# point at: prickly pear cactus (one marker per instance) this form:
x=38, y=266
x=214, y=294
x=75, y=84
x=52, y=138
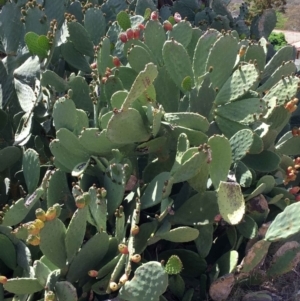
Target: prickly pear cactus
x=128, y=138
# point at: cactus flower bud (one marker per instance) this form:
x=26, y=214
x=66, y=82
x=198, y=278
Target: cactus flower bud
x=93, y=273
x=123, y=249
x=3, y=279
x=33, y=240
x=123, y=37
x=51, y=214
x=103, y=192
x=57, y=207
x=93, y=66
x=116, y=62
x=154, y=15
x=167, y=25
x=129, y=33
x=135, y=230
x=177, y=17
x=50, y=296
x=136, y=258
x=80, y=202
x=113, y=286
x=40, y=214
x=123, y=279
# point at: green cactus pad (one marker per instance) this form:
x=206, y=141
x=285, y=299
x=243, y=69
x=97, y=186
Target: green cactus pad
x=285, y=224
x=52, y=79
x=23, y=286
x=227, y=45
x=283, y=54
x=155, y=38
x=238, y=84
x=149, y=282
x=190, y=165
x=64, y=114
x=248, y=227
x=89, y=256
x=287, y=259
x=96, y=142
x=241, y=143
x=123, y=20
x=53, y=242
x=167, y=92
x=227, y=262
x=221, y=159
x=229, y=127
x=176, y=286
x=204, y=241
x=231, y=202
x=285, y=89
x=149, y=199
x=103, y=56
x=189, y=120
x=11, y=35
x=18, y=211
x=243, y=174
x=142, y=82
x=182, y=33
x=80, y=38
x=31, y=169
x=282, y=71
x=8, y=253
x=75, y=232
x=180, y=234
x=206, y=210
x=266, y=161
x=127, y=127
x=95, y=24
x=97, y=209
x=41, y=272
x=290, y=147
x=256, y=53
x=65, y=291
x=202, y=50
x=175, y=52
x=174, y=265
x=73, y=57
x=36, y=44
x=193, y=264
x=9, y=156
x=81, y=97
x=138, y=57
x=255, y=256
x=244, y=111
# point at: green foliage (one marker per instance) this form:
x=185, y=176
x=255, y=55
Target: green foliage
x=134, y=155
x=277, y=39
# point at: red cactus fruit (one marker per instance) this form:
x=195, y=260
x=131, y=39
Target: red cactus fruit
x=129, y=33
x=167, y=25
x=154, y=15
x=116, y=62
x=123, y=37
x=123, y=249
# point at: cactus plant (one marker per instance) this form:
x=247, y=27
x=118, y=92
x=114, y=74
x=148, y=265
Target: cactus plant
x=124, y=133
